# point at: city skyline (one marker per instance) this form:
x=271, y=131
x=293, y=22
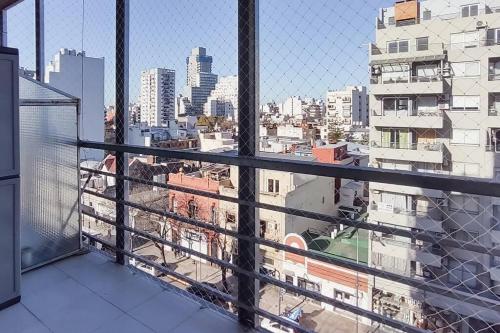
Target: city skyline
x=336, y=63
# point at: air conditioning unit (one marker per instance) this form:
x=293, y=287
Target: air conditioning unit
x=481, y=25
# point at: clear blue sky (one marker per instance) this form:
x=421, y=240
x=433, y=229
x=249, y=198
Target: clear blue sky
x=306, y=46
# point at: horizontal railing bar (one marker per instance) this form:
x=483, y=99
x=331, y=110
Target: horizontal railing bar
x=47, y=102
x=423, y=285
x=418, y=235
x=468, y=185
x=310, y=294
x=199, y=285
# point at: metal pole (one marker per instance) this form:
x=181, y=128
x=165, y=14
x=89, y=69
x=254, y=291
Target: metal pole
x=248, y=287
x=3, y=27
x=39, y=40
x=121, y=119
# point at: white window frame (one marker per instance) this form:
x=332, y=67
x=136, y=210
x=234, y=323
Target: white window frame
x=421, y=38
x=398, y=42
x=469, y=6
x=465, y=135
x=464, y=203
x=466, y=169
x=466, y=103
x=460, y=69
x=463, y=41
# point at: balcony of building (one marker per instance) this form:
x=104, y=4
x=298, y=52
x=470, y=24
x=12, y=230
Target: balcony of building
x=429, y=117
x=430, y=221
x=106, y=246
x=406, y=52
x=425, y=254
x=407, y=85
x=431, y=152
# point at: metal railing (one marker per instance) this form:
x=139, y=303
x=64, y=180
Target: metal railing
x=411, y=146
x=437, y=48
x=319, y=169
x=412, y=79
x=407, y=113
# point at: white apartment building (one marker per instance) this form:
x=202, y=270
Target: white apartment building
x=434, y=100
x=223, y=100
x=346, y=109
x=157, y=102
x=291, y=107
x=83, y=77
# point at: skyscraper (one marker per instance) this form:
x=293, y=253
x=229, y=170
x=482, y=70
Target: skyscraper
x=157, y=96
x=82, y=77
x=435, y=107
x=200, y=80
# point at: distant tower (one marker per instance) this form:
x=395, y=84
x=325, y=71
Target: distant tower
x=157, y=96
x=200, y=80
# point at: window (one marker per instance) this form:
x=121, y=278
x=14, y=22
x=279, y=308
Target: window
x=466, y=69
x=465, y=39
x=397, y=46
x=427, y=103
x=422, y=43
x=230, y=218
x=273, y=186
x=493, y=36
x=396, y=105
x=465, y=103
x=427, y=15
x=466, y=169
x=396, y=138
x=395, y=73
x=192, y=209
x=465, y=203
x=463, y=235
x=428, y=70
x=465, y=136
x=470, y=10
x=174, y=204
x=462, y=273
x=263, y=229
x=213, y=214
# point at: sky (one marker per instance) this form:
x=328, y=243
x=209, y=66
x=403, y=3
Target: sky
x=306, y=47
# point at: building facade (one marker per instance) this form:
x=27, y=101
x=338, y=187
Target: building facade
x=200, y=80
x=157, y=104
x=434, y=107
x=223, y=100
x=83, y=77
x=346, y=109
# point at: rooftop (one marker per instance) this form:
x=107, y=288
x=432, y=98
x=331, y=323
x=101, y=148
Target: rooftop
x=91, y=293
x=351, y=244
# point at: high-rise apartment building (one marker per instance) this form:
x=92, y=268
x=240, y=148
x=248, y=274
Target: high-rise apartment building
x=223, y=100
x=200, y=80
x=83, y=77
x=347, y=109
x=434, y=101
x=157, y=103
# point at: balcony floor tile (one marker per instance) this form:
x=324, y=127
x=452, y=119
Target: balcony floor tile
x=91, y=294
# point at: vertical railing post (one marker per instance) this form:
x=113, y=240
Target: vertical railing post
x=3, y=27
x=247, y=146
x=39, y=40
x=121, y=120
